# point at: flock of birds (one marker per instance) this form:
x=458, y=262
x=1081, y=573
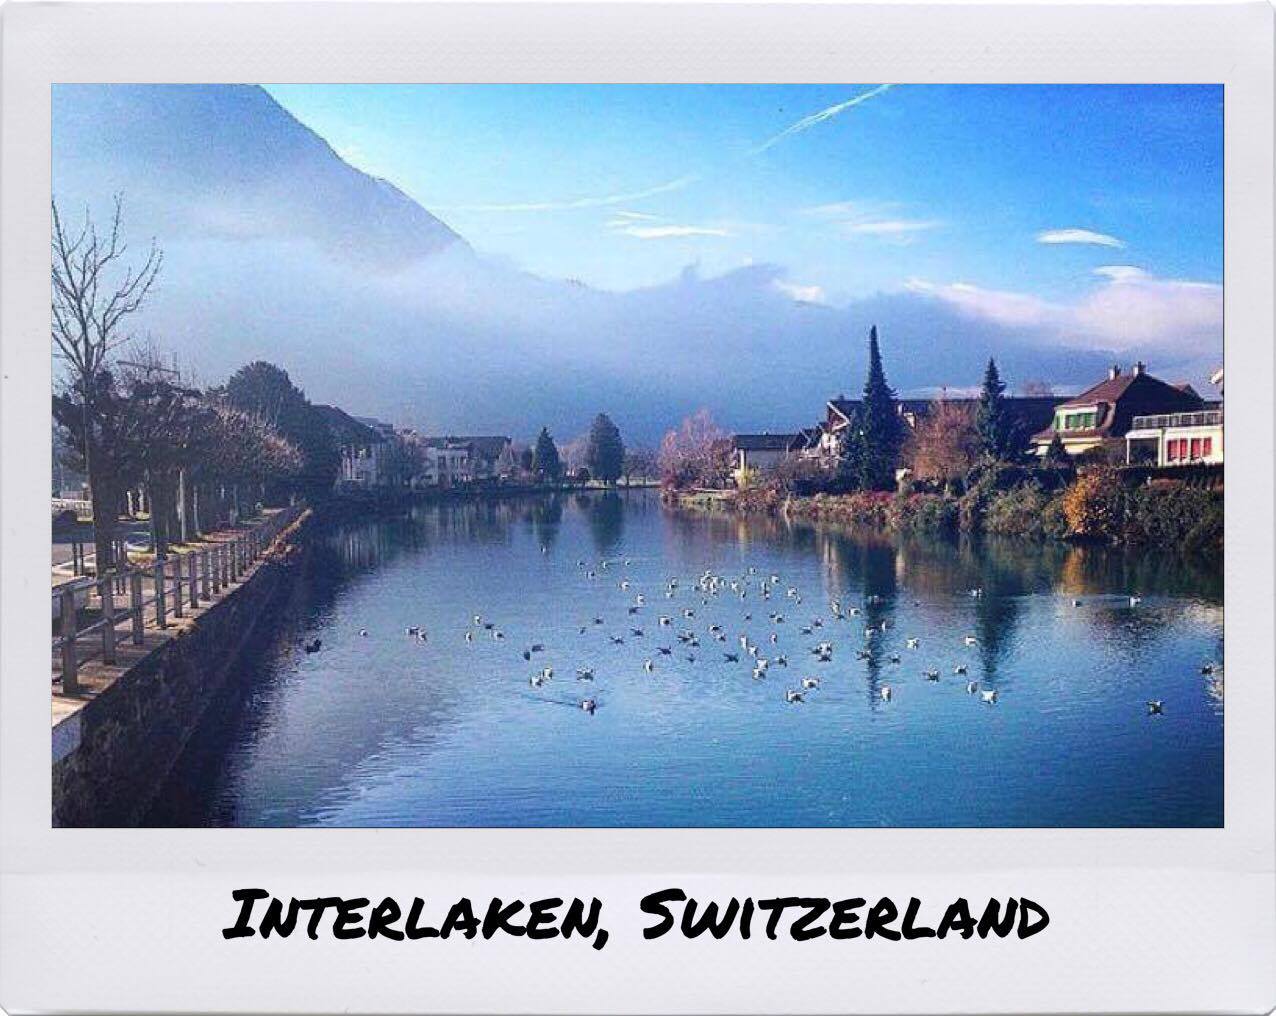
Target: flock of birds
x=696, y=640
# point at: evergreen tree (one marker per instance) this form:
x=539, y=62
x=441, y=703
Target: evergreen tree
x=267, y=392
x=605, y=454
x=545, y=461
x=1000, y=436
x=871, y=454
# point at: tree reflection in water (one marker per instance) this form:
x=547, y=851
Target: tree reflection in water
x=385, y=730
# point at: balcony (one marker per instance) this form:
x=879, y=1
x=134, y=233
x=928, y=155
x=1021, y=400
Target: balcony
x=1166, y=421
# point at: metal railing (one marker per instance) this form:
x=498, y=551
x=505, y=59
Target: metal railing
x=1163, y=421
x=127, y=601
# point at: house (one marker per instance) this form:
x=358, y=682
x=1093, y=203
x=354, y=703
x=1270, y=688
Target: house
x=807, y=443
x=491, y=456
x=362, y=465
x=1032, y=412
x=363, y=444
x=468, y=458
x=1101, y=417
x=759, y=453
x=1178, y=439
x=386, y=430
x=444, y=463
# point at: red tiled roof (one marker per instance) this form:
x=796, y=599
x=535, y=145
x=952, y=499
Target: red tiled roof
x=1108, y=390
x=1118, y=399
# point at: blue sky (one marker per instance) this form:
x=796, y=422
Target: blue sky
x=921, y=187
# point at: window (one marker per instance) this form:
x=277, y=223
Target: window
x=1207, y=447
x=1076, y=421
x=1196, y=448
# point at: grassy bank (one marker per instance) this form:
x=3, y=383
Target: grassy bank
x=1101, y=506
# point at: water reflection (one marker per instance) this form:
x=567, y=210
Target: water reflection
x=387, y=730
x=606, y=514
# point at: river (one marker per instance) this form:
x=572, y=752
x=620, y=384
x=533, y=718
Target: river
x=387, y=729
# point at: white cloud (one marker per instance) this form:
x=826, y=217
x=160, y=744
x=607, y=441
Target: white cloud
x=1084, y=236
x=653, y=227
x=892, y=227
x=1130, y=309
x=871, y=218
x=663, y=232
x=836, y=210
x=575, y=203
x=1132, y=312
x=1121, y=273
x=807, y=122
x=1006, y=308
x=799, y=292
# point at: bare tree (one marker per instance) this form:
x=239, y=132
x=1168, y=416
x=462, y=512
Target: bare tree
x=696, y=454
x=944, y=444
x=639, y=462
x=94, y=293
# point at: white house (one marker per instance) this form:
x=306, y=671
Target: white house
x=445, y=465
x=1178, y=439
x=456, y=458
x=362, y=465
x=759, y=453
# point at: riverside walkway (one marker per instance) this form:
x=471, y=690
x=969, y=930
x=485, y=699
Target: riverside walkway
x=105, y=625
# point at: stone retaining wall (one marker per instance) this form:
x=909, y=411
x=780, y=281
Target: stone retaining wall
x=128, y=738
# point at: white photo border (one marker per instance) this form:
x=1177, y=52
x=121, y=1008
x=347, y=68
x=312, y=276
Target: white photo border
x=1141, y=920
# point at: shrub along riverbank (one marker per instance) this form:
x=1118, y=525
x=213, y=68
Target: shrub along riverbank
x=1099, y=505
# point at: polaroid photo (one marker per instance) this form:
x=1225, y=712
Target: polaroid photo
x=637, y=508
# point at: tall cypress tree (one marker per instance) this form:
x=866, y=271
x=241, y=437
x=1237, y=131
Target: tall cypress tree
x=872, y=452
x=605, y=453
x=1000, y=436
x=546, y=463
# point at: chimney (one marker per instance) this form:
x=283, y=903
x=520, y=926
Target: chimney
x=1139, y=368
x=1114, y=372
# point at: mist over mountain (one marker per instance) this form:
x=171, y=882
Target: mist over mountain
x=277, y=249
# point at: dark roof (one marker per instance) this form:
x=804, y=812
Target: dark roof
x=1033, y=411
x=763, y=442
x=345, y=429
x=1119, y=399
x=848, y=407
x=1108, y=390
x=807, y=437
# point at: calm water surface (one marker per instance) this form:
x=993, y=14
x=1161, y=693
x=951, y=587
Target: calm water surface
x=384, y=730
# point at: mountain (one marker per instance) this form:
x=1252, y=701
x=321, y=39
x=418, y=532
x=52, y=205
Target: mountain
x=276, y=249
x=228, y=162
